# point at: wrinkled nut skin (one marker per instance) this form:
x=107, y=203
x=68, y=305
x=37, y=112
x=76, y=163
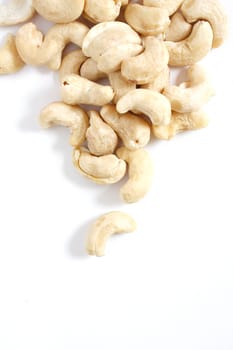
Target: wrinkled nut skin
x=141, y=172
x=17, y=11
x=160, y=82
x=133, y=130
x=10, y=61
x=120, y=85
x=105, y=226
x=170, y=5
x=75, y=118
x=102, y=10
x=106, y=169
x=90, y=71
x=59, y=11
x=101, y=138
x=71, y=63
x=179, y=28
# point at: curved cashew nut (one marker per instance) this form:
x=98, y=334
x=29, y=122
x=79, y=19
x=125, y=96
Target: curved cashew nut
x=90, y=71
x=147, y=20
x=59, y=11
x=193, y=48
x=75, y=118
x=105, y=226
x=133, y=130
x=181, y=122
x=151, y=103
x=170, y=5
x=144, y=68
x=102, y=10
x=101, y=139
x=141, y=171
x=120, y=85
x=160, y=82
x=211, y=11
x=192, y=95
x=78, y=90
x=71, y=63
x=179, y=28
x=36, y=50
x=106, y=169
x=10, y=61
x=17, y=11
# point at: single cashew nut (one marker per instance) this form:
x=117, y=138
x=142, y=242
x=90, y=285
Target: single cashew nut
x=10, y=61
x=211, y=11
x=151, y=103
x=133, y=130
x=170, y=5
x=101, y=139
x=102, y=10
x=36, y=50
x=181, y=122
x=71, y=63
x=75, y=118
x=78, y=90
x=160, y=82
x=106, y=169
x=193, y=48
x=147, y=20
x=17, y=11
x=90, y=71
x=105, y=226
x=141, y=171
x=120, y=85
x=179, y=28
x=144, y=68
x=59, y=11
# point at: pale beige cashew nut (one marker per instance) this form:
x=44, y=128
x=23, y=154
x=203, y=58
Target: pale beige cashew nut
x=10, y=61
x=170, y=5
x=192, y=49
x=75, y=118
x=79, y=90
x=120, y=85
x=160, y=82
x=98, y=11
x=71, y=63
x=59, y=11
x=181, y=122
x=179, y=28
x=101, y=138
x=150, y=103
x=191, y=95
x=106, y=226
x=133, y=130
x=143, y=68
x=37, y=50
x=106, y=169
x=90, y=71
x=211, y=11
x=147, y=20
x=141, y=172
x=15, y=12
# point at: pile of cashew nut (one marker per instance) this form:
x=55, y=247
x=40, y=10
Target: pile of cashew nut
x=136, y=102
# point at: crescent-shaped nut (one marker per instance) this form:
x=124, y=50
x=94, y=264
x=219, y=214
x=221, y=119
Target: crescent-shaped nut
x=37, y=50
x=147, y=20
x=106, y=169
x=90, y=71
x=10, y=61
x=120, y=85
x=102, y=10
x=195, y=47
x=75, y=118
x=101, y=138
x=133, y=130
x=141, y=171
x=78, y=90
x=15, y=12
x=105, y=226
x=170, y=5
x=59, y=11
x=160, y=82
x=71, y=63
x=179, y=123
x=211, y=11
x=151, y=103
x=179, y=28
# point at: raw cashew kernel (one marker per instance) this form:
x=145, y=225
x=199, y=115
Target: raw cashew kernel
x=179, y=28
x=16, y=11
x=120, y=85
x=75, y=118
x=71, y=63
x=10, y=61
x=90, y=71
x=170, y=5
x=98, y=11
x=105, y=226
x=160, y=82
x=141, y=171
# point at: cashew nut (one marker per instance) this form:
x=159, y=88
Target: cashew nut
x=78, y=90
x=147, y=20
x=17, y=11
x=160, y=82
x=179, y=28
x=170, y=5
x=192, y=95
x=151, y=103
x=75, y=118
x=120, y=85
x=144, y=68
x=105, y=226
x=101, y=139
x=10, y=62
x=98, y=11
x=133, y=130
x=106, y=169
x=59, y=11
x=181, y=122
x=90, y=71
x=193, y=48
x=141, y=171
x=36, y=50
x=71, y=63
x=211, y=11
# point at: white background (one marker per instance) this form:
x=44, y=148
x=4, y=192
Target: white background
x=167, y=286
